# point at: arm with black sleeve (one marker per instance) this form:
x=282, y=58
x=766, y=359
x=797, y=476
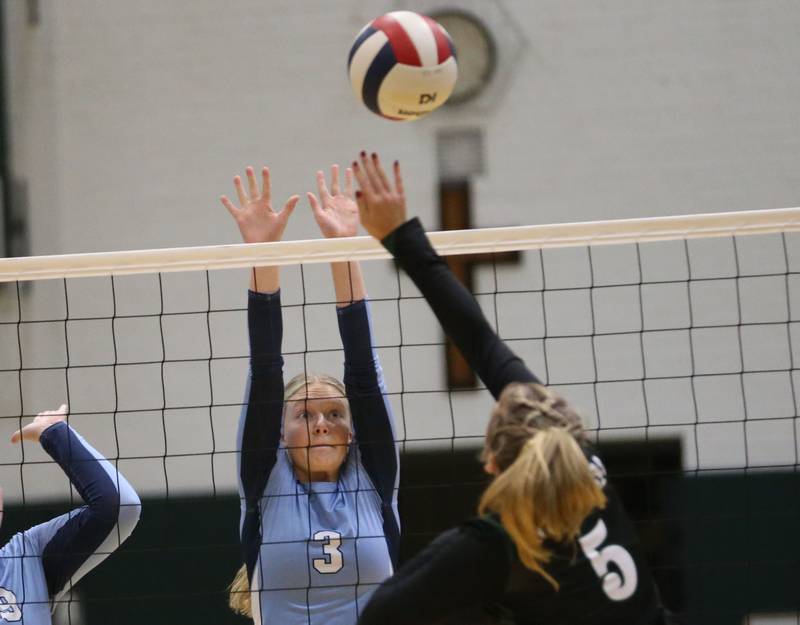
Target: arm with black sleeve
x=372, y=413
x=456, y=309
x=73, y=544
x=259, y=433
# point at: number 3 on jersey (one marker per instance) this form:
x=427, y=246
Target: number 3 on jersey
x=618, y=586
x=333, y=561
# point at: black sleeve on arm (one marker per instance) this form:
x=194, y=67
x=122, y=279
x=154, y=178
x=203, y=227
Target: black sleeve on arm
x=87, y=528
x=372, y=415
x=262, y=426
x=459, y=571
x=456, y=309
x=259, y=433
x=363, y=380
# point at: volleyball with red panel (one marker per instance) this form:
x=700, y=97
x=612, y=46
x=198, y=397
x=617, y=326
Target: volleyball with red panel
x=402, y=65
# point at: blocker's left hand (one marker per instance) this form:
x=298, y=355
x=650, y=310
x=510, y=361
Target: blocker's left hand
x=43, y=420
x=335, y=211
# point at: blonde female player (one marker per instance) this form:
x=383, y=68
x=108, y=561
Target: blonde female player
x=319, y=525
x=39, y=565
x=554, y=544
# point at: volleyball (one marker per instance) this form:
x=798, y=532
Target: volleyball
x=402, y=65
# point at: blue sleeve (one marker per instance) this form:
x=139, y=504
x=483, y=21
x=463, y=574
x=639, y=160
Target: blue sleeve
x=259, y=432
x=74, y=543
x=456, y=309
x=369, y=404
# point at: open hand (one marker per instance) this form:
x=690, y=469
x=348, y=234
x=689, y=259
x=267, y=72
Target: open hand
x=382, y=209
x=336, y=212
x=257, y=222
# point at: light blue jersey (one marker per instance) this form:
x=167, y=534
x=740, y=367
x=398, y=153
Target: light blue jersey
x=329, y=578
x=315, y=552
x=38, y=566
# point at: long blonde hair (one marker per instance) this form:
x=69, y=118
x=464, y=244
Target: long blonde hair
x=239, y=589
x=545, y=488
x=239, y=594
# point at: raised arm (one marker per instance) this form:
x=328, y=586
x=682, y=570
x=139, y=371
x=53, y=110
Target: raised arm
x=336, y=214
x=383, y=214
x=258, y=436
x=259, y=433
x=73, y=544
x=366, y=392
x=260, y=422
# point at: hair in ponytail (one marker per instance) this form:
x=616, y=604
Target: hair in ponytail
x=545, y=488
x=239, y=594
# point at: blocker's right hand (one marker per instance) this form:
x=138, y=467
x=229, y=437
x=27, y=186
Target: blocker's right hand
x=43, y=420
x=257, y=222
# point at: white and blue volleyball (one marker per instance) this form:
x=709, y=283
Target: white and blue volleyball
x=403, y=65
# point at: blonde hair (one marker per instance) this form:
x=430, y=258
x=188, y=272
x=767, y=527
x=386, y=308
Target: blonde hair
x=545, y=488
x=239, y=594
x=239, y=589
x=306, y=380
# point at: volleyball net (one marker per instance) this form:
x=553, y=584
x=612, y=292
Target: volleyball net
x=676, y=338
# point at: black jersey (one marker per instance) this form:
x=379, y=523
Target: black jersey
x=602, y=576
x=473, y=571
x=471, y=574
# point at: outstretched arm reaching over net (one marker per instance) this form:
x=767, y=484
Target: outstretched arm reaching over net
x=383, y=214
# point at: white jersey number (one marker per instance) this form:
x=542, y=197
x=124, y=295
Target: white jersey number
x=9, y=608
x=332, y=562
x=618, y=586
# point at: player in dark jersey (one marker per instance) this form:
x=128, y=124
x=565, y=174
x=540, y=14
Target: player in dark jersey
x=319, y=525
x=553, y=544
x=38, y=566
